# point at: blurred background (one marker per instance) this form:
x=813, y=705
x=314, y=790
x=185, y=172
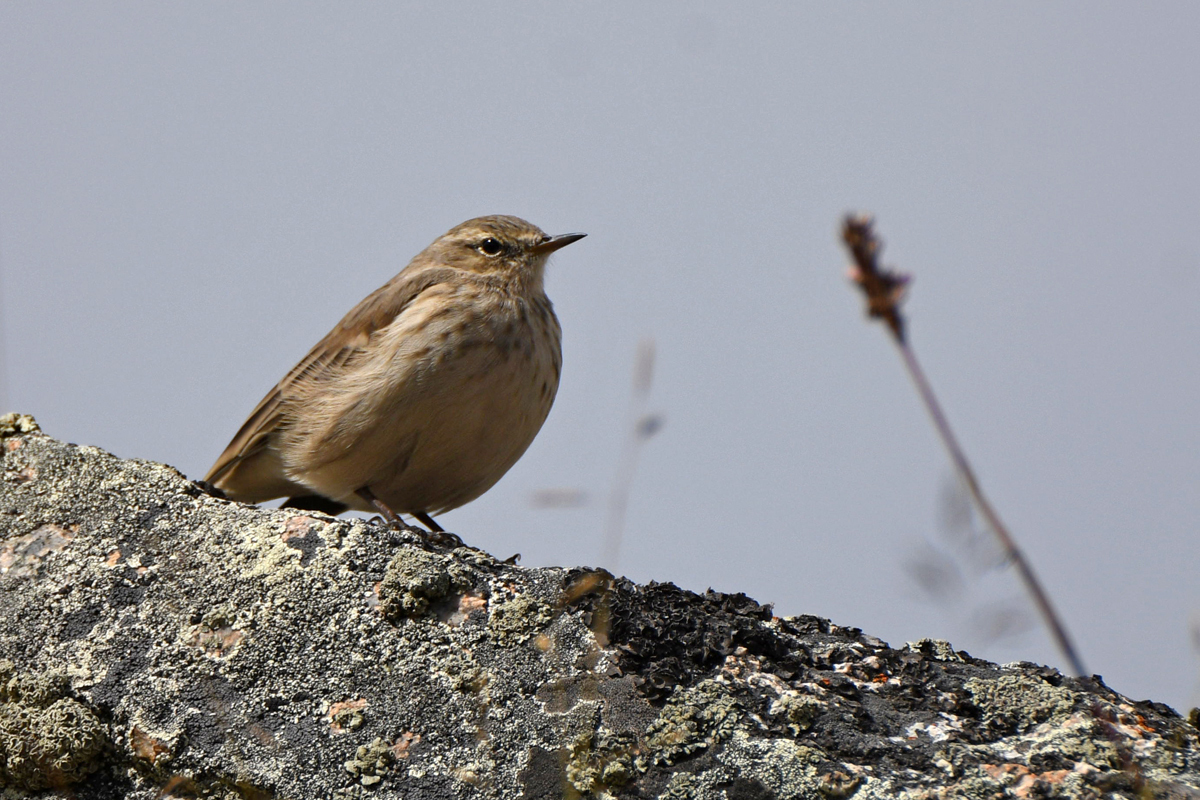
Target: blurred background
x=191, y=195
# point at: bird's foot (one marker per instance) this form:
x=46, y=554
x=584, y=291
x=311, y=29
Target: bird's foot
x=450, y=541
x=435, y=535
x=439, y=538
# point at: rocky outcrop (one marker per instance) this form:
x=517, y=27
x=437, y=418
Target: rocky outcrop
x=158, y=641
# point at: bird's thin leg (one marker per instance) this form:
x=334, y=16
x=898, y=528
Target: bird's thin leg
x=382, y=508
x=428, y=522
x=435, y=534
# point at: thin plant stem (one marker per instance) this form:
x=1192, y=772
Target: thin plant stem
x=641, y=426
x=885, y=291
x=1009, y=545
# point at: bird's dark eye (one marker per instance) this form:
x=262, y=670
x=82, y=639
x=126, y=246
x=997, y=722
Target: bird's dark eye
x=490, y=247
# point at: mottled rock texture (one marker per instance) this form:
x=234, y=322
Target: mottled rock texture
x=156, y=641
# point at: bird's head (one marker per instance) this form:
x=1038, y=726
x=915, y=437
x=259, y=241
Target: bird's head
x=508, y=247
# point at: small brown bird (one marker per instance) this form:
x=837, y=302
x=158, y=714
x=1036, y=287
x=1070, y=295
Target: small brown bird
x=424, y=395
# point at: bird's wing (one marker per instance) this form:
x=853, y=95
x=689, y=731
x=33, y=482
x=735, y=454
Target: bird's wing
x=376, y=311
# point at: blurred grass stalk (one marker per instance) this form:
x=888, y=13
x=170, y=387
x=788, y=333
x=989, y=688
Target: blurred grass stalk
x=640, y=427
x=885, y=291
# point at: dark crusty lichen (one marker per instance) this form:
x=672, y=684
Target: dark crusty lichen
x=219, y=650
x=673, y=638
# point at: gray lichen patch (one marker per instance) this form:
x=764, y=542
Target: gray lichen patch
x=463, y=672
x=415, y=580
x=372, y=762
x=1016, y=702
x=600, y=761
x=518, y=619
x=32, y=690
x=782, y=768
x=692, y=720
x=935, y=648
x=798, y=709
x=47, y=739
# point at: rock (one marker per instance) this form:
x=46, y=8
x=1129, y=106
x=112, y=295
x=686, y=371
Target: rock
x=158, y=641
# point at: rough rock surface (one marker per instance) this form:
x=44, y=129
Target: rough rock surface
x=156, y=641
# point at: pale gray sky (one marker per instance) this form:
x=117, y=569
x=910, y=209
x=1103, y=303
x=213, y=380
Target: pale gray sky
x=192, y=194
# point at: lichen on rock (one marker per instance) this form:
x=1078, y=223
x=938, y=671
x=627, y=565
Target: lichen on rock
x=517, y=619
x=160, y=641
x=416, y=579
x=692, y=720
x=14, y=424
x=48, y=739
x=1016, y=702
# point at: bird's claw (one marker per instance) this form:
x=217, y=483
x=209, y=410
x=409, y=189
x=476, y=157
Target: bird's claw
x=445, y=539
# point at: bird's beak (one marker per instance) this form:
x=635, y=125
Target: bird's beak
x=556, y=242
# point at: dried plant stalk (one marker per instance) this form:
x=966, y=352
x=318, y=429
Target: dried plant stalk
x=885, y=291
x=642, y=425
